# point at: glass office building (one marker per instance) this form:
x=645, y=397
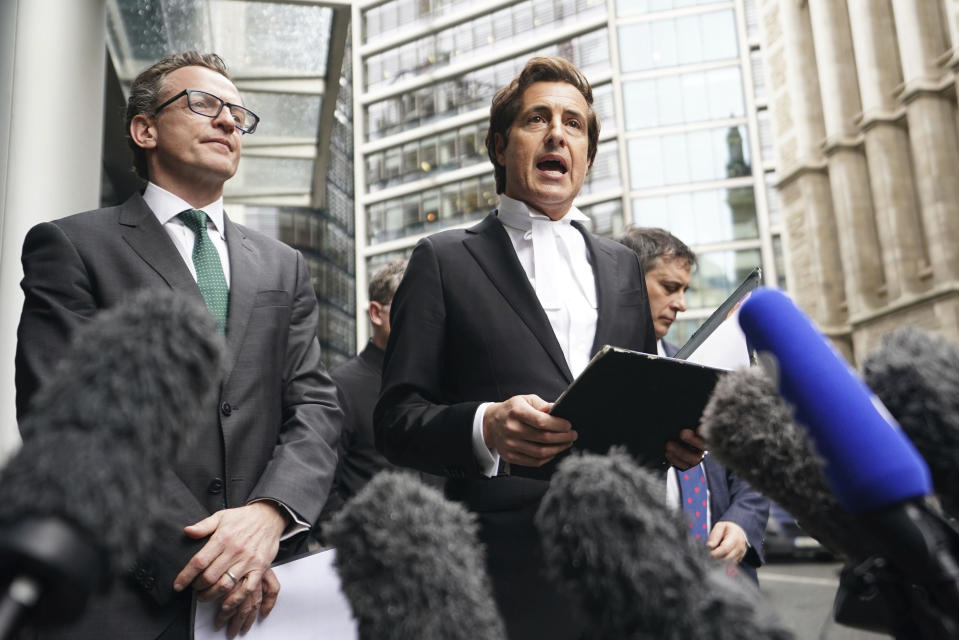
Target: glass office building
x=678, y=87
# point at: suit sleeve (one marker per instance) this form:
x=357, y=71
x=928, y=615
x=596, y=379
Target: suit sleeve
x=58, y=298
x=414, y=424
x=300, y=472
x=750, y=510
x=337, y=497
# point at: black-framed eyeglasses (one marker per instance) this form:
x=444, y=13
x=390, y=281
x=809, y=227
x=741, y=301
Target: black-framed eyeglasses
x=209, y=105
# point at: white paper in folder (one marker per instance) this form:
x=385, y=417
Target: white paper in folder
x=725, y=348
x=311, y=605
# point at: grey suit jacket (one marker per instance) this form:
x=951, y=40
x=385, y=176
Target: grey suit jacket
x=273, y=432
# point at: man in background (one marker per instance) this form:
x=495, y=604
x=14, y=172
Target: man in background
x=358, y=386
x=735, y=515
x=263, y=458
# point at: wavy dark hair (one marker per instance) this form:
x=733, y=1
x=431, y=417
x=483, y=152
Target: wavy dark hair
x=652, y=244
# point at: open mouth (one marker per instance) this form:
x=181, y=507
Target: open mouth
x=552, y=166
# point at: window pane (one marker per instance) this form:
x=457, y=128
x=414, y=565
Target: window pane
x=645, y=162
x=688, y=97
x=506, y=25
x=773, y=202
x=589, y=52
x=278, y=173
x=701, y=217
x=604, y=174
x=691, y=156
x=641, y=104
x=607, y=217
x=718, y=274
x=674, y=41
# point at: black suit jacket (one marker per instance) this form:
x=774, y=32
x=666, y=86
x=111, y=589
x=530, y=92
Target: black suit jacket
x=358, y=387
x=274, y=429
x=733, y=499
x=468, y=328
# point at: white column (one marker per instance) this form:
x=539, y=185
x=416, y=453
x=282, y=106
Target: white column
x=359, y=183
x=51, y=109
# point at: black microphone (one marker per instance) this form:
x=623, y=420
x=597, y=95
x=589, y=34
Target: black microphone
x=749, y=428
x=916, y=375
x=77, y=501
x=74, y=511
x=411, y=565
x=615, y=547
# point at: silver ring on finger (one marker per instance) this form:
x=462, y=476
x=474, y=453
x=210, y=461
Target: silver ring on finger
x=231, y=576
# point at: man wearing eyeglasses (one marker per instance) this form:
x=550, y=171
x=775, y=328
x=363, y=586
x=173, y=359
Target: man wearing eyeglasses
x=263, y=459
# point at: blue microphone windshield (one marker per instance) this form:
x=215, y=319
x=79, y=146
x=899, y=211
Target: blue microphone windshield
x=869, y=461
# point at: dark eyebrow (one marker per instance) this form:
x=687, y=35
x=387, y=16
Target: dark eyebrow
x=576, y=113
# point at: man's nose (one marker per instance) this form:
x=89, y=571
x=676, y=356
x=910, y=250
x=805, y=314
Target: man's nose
x=224, y=120
x=679, y=302
x=556, y=135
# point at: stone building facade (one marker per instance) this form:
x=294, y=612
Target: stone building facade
x=864, y=112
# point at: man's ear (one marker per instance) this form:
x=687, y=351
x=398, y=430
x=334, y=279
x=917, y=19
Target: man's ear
x=376, y=313
x=143, y=131
x=499, y=146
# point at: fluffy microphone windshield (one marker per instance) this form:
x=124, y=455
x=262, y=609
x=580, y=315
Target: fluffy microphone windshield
x=750, y=429
x=78, y=501
x=411, y=565
x=916, y=375
x=137, y=373
x=120, y=405
x=614, y=546
x=86, y=482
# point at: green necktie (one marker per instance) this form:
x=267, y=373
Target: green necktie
x=209, y=271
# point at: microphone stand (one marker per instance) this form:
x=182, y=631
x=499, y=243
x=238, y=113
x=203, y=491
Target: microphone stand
x=48, y=570
x=911, y=589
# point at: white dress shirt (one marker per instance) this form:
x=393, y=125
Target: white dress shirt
x=555, y=258
x=167, y=206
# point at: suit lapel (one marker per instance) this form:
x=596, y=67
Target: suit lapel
x=604, y=270
x=490, y=246
x=146, y=236
x=243, y=287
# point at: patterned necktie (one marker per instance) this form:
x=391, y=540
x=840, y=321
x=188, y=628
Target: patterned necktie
x=209, y=270
x=692, y=488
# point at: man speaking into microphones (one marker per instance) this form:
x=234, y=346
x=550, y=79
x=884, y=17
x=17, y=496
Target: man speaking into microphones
x=491, y=323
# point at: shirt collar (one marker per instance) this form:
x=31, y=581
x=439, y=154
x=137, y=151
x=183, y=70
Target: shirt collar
x=517, y=214
x=373, y=355
x=166, y=206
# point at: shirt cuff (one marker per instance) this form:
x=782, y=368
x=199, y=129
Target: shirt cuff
x=296, y=526
x=487, y=458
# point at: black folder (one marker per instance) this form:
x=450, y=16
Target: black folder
x=638, y=400
x=633, y=399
